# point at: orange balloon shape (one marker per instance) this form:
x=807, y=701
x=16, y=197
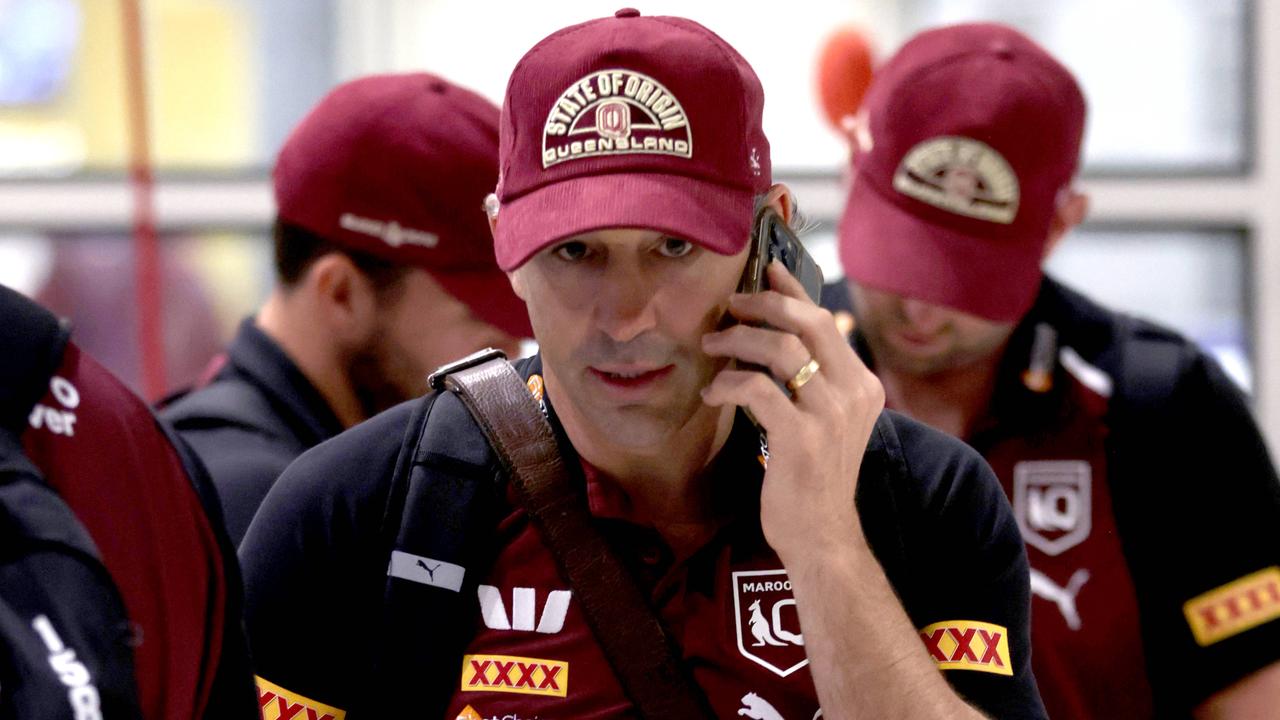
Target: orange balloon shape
x=844, y=73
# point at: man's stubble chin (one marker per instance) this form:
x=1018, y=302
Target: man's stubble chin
x=913, y=365
x=955, y=357
x=651, y=427
x=381, y=377
x=655, y=425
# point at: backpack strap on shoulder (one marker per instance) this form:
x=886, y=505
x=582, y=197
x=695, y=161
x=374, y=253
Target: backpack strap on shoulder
x=438, y=538
x=1150, y=367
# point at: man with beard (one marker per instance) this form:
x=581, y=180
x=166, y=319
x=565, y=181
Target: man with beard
x=1142, y=487
x=385, y=270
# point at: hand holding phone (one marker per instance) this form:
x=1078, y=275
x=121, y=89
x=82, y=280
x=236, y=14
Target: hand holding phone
x=772, y=240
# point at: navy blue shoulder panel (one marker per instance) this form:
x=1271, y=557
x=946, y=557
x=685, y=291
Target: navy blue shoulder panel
x=225, y=402
x=441, y=514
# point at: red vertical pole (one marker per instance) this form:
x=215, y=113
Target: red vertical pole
x=146, y=250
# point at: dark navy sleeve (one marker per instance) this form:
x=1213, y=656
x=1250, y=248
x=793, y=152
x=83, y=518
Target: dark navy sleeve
x=243, y=464
x=954, y=554
x=314, y=568
x=242, y=441
x=1200, y=517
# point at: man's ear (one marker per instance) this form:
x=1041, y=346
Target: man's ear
x=1071, y=210
x=782, y=201
x=491, y=207
x=517, y=282
x=345, y=299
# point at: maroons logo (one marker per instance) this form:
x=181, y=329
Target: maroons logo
x=615, y=112
x=962, y=176
x=767, y=624
x=1052, y=503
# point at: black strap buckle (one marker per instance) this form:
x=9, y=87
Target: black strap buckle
x=436, y=379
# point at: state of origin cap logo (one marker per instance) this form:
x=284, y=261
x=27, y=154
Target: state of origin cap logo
x=615, y=112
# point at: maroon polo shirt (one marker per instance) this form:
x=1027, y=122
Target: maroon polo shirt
x=1090, y=660
x=533, y=643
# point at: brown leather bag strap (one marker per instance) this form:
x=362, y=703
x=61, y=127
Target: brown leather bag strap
x=618, y=613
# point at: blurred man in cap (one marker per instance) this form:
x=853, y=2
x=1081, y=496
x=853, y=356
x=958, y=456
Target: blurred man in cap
x=1146, y=497
x=385, y=270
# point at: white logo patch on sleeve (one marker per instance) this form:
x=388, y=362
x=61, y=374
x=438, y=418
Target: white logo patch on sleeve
x=82, y=693
x=424, y=570
x=57, y=420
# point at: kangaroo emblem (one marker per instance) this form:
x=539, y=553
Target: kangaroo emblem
x=431, y=571
x=760, y=628
x=1064, y=598
x=757, y=708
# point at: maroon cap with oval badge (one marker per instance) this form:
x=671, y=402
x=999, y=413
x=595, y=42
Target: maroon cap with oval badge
x=630, y=121
x=398, y=166
x=964, y=143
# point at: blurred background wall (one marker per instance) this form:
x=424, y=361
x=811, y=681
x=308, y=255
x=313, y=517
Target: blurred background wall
x=1182, y=157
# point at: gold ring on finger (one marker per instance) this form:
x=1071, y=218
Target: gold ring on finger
x=804, y=375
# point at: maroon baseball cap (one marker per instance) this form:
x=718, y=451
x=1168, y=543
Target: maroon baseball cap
x=964, y=142
x=397, y=166
x=630, y=121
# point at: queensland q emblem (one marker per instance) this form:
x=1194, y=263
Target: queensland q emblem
x=768, y=625
x=1051, y=499
x=613, y=120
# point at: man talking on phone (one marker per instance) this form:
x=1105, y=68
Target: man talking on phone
x=1144, y=492
x=834, y=561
